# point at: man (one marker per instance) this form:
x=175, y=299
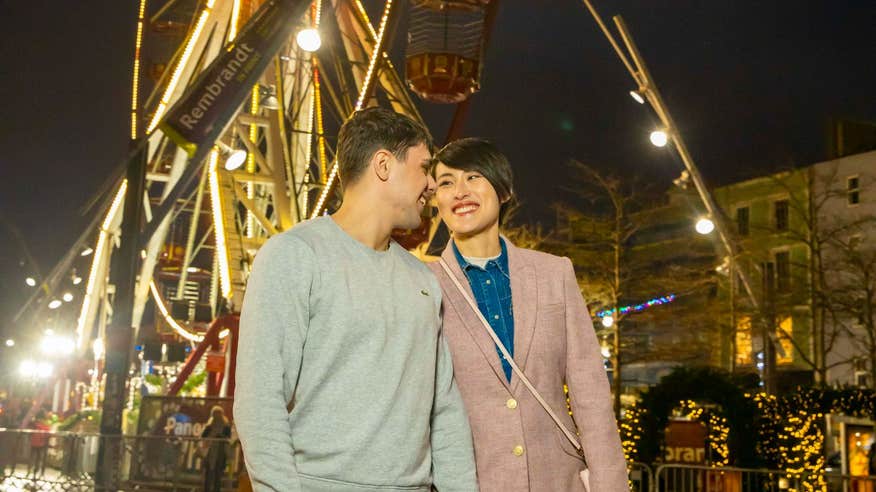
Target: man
x=344, y=382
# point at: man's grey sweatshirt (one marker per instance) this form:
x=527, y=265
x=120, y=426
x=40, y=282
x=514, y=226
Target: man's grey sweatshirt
x=348, y=340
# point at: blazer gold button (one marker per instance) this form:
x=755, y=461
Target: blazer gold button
x=518, y=451
x=511, y=403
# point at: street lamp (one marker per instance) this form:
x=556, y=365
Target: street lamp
x=659, y=138
x=55, y=345
x=608, y=321
x=705, y=226
x=35, y=370
x=637, y=96
x=308, y=40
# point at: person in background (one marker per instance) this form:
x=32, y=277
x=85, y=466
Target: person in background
x=39, y=444
x=532, y=302
x=218, y=430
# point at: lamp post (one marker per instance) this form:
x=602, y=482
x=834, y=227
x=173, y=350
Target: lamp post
x=647, y=87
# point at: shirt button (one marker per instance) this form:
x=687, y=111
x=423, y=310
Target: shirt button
x=511, y=403
x=488, y=282
x=518, y=451
x=495, y=316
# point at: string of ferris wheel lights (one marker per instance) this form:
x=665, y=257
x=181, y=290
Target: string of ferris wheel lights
x=634, y=308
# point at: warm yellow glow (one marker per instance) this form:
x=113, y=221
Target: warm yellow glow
x=179, y=329
x=317, y=104
x=363, y=93
x=743, y=341
x=177, y=72
x=318, y=12
x=325, y=191
x=364, y=14
x=235, y=18
x=375, y=54
x=786, y=330
x=250, y=161
x=102, y=240
x=135, y=90
x=219, y=226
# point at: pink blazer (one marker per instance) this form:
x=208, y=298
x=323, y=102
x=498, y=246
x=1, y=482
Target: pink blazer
x=517, y=445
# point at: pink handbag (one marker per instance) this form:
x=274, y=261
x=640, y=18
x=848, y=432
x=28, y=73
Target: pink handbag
x=584, y=475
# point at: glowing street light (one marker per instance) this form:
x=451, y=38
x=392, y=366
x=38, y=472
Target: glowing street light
x=607, y=321
x=35, y=370
x=57, y=345
x=637, y=96
x=606, y=351
x=308, y=40
x=705, y=226
x=30, y=281
x=659, y=138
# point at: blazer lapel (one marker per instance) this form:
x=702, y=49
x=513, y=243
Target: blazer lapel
x=524, y=297
x=469, y=319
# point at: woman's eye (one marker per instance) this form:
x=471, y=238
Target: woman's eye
x=444, y=183
x=473, y=176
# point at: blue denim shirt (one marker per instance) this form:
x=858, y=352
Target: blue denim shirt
x=491, y=286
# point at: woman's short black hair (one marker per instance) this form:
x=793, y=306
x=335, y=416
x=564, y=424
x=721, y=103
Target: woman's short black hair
x=481, y=156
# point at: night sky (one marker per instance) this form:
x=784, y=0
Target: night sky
x=750, y=84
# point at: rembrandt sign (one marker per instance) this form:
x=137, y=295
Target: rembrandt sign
x=210, y=102
x=685, y=442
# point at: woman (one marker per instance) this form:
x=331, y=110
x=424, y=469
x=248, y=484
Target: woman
x=533, y=303
x=218, y=430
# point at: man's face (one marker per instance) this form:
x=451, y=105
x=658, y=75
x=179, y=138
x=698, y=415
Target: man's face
x=467, y=202
x=411, y=186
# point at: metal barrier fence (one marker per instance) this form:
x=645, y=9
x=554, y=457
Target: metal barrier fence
x=689, y=478
x=641, y=477
x=60, y=461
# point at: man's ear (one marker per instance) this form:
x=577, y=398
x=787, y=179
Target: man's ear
x=381, y=163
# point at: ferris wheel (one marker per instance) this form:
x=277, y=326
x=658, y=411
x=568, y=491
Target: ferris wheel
x=271, y=166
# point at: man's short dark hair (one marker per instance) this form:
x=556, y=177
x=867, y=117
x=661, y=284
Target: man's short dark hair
x=370, y=130
x=481, y=156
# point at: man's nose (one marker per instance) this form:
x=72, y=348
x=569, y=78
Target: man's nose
x=430, y=185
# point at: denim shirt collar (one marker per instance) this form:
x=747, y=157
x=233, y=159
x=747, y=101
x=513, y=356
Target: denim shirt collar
x=501, y=262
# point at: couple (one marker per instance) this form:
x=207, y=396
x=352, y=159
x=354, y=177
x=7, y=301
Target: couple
x=346, y=380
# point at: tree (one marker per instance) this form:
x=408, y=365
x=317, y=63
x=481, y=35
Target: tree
x=629, y=247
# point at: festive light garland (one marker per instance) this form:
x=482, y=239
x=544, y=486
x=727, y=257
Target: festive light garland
x=635, y=308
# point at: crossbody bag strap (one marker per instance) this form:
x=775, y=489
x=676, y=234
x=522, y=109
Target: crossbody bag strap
x=508, y=357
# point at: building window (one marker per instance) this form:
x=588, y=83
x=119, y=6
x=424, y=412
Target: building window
x=742, y=221
x=743, y=341
x=780, y=214
x=768, y=269
x=783, y=271
x=853, y=190
x=785, y=332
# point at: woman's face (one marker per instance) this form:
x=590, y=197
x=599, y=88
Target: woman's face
x=467, y=202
